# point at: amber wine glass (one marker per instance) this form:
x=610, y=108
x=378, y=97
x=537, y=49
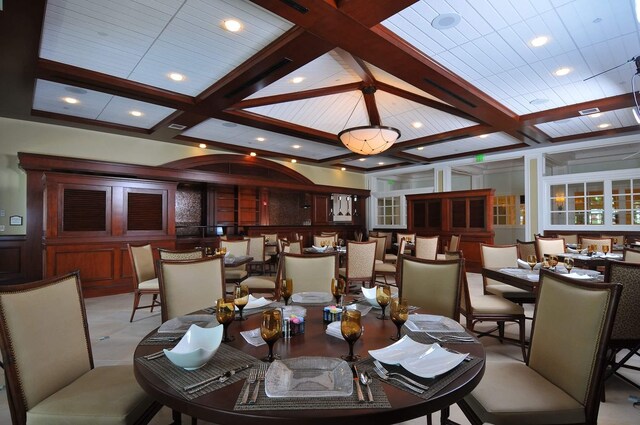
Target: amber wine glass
x=568, y=263
x=225, y=313
x=605, y=249
x=287, y=289
x=351, y=329
x=399, y=314
x=338, y=289
x=241, y=298
x=271, y=330
x=383, y=296
x=532, y=260
x=553, y=262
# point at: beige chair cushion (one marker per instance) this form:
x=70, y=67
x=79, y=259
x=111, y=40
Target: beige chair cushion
x=260, y=282
x=150, y=285
x=493, y=304
x=181, y=255
x=361, y=259
x=390, y=258
x=143, y=259
x=631, y=256
x=380, y=247
x=104, y=395
x=439, y=293
x=549, y=246
x=512, y=393
x=599, y=242
x=426, y=248
x=238, y=249
x=310, y=273
x=502, y=288
x=234, y=274
x=385, y=268
x=498, y=256
x=256, y=248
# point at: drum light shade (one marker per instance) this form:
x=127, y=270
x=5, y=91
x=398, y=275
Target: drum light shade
x=370, y=139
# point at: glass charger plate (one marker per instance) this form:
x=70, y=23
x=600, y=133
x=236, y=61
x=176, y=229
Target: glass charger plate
x=423, y=360
x=183, y=323
x=309, y=377
x=432, y=323
x=312, y=297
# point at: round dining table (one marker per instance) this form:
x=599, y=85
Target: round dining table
x=218, y=406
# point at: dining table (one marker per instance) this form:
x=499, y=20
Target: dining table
x=222, y=403
x=592, y=262
x=529, y=279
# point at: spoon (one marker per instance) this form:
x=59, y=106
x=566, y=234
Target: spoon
x=365, y=378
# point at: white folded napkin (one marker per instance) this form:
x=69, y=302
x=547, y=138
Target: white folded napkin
x=524, y=265
x=333, y=329
x=578, y=276
x=612, y=255
x=256, y=302
x=319, y=248
x=253, y=337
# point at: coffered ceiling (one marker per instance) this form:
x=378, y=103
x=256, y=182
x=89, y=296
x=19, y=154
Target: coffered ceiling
x=457, y=78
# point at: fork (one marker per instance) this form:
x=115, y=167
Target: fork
x=450, y=338
x=400, y=381
x=259, y=378
x=377, y=365
x=250, y=380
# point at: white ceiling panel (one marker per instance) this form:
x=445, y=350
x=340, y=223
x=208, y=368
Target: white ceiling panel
x=387, y=78
x=590, y=123
x=240, y=135
x=470, y=144
x=373, y=161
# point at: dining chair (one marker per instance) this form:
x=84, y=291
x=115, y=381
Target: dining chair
x=293, y=247
x=631, y=255
x=358, y=235
x=408, y=237
x=190, y=285
x=570, y=238
x=48, y=363
x=526, y=248
x=440, y=293
x=626, y=324
x=389, y=269
x=319, y=240
x=266, y=283
x=145, y=280
x=549, y=246
x=426, y=247
x=388, y=241
x=598, y=242
x=187, y=254
x=498, y=256
x=361, y=261
x=310, y=273
x=270, y=249
x=238, y=248
x=381, y=256
x=454, y=243
x=616, y=240
x=333, y=235
x=257, y=251
x=489, y=308
x=561, y=380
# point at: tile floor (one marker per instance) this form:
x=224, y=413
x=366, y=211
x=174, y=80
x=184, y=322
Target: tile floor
x=114, y=339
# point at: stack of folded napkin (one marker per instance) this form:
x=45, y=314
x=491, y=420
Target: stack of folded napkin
x=333, y=329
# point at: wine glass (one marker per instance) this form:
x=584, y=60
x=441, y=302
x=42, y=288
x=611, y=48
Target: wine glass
x=553, y=262
x=383, y=296
x=399, y=314
x=241, y=298
x=605, y=249
x=568, y=263
x=225, y=313
x=532, y=260
x=337, y=289
x=351, y=329
x=287, y=289
x=271, y=330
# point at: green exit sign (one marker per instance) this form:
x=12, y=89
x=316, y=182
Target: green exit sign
x=480, y=157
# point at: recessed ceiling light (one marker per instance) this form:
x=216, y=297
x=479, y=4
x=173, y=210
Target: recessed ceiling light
x=253, y=154
x=605, y=125
x=297, y=80
x=176, y=76
x=560, y=72
x=483, y=136
x=296, y=146
x=445, y=21
x=380, y=163
x=202, y=146
x=416, y=124
x=539, y=41
x=362, y=159
x=136, y=113
x=343, y=169
x=293, y=161
x=71, y=100
x=596, y=115
x=232, y=25
x=538, y=101
x=260, y=139
x=420, y=148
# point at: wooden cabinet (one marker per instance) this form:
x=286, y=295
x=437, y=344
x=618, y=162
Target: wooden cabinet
x=321, y=208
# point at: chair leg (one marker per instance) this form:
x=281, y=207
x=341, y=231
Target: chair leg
x=429, y=420
x=136, y=301
x=154, y=301
x=521, y=322
x=500, y=331
x=177, y=417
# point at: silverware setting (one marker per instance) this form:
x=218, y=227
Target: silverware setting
x=356, y=379
x=194, y=388
x=262, y=370
x=155, y=355
x=365, y=378
x=450, y=338
x=163, y=338
x=385, y=374
x=253, y=375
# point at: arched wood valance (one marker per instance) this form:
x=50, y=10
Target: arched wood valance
x=243, y=165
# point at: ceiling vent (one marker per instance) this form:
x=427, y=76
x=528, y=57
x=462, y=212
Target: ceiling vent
x=177, y=126
x=589, y=111
x=297, y=6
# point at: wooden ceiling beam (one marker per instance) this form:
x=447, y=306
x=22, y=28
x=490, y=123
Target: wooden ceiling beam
x=358, y=66
x=477, y=152
x=369, y=94
x=299, y=95
x=572, y=111
x=447, y=136
x=370, y=13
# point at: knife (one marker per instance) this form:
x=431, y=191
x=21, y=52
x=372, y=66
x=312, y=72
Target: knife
x=356, y=379
x=215, y=378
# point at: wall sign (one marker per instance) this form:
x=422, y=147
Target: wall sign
x=15, y=220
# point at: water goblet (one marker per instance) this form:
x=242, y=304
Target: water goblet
x=287, y=289
x=241, y=298
x=225, y=313
x=568, y=263
x=605, y=249
x=338, y=289
x=399, y=314
x=383, y=296
x=351, y=329
x=553, y=262
x=271, y=330
x=532, y=260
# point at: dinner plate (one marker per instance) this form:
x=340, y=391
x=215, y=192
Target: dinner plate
x=432, y=323
x=309, y=377
x=423, y=360
x=312, y=297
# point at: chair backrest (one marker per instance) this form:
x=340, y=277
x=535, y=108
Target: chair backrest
x=281, y=242
x=238, y=248
x=568, y=345
x=388, y=241
x=496, y=256
x=293, y=247
x=310, y=273
x=402, y=243
x=44, y=339
x=256, y=247
x=454, y=245
x=361, y=260
x=615, y=239
x=570, y=238
x=142, y=263
x=598, y=242
x=549, y=246
x=408, y=236
x=525, y=248
x=358, y=235
x=188, y=254
x=427, y=247
x=434, y=286
x=324, y=240
x=631, y=255
x=626, y=325
x=381, y=243
x=465, y=294
x=270, y=237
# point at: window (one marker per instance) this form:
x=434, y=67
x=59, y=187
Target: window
x=626, y=201
x=388, y=211
x=504, y=210
x=577, y=204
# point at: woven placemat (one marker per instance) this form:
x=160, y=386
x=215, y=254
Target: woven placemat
x=435, y=384
x=226, y=358
x=153, y=339
x=263, y=402
x=428, y=339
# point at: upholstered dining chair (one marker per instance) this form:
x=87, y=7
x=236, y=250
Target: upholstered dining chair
x=561, y=379
x=381, y=256
x=497, y=256
x=616, y=240
x=319, y=240
x=454, y=243
x=361, y=261
x=310, y=273
x=266, y=283
x=187, y=254
x=270, y=250
x=598, y=242
x=388, y=241
x=145, y=280
x=388, y=269
x=426, y=247
x=48, y=363
x=257, y=251
x=408, y=237
x=190, y=285
x=526, y=248
x=333, y=235
x=631, y=255
x=549, y=246
x=237, y=248
x=439, y=293
x=571, y=238
x=294, y=247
